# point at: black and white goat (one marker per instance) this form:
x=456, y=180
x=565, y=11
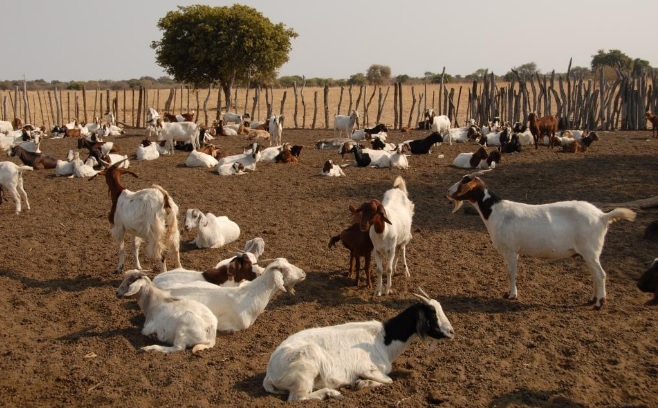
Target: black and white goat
x=358, y=354
x=552, y=231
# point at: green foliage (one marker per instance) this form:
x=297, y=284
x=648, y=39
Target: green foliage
x=526, y=72
x=402, y=78
x=357, y=79
x=378, y=74
x=288, y=81
x=640, y=67
x=202, y=44
x=477, y=75
x=612, y=58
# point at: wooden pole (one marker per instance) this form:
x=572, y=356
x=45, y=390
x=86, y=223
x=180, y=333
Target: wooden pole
x=326, y=106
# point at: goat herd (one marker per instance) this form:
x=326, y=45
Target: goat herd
x=185, y=308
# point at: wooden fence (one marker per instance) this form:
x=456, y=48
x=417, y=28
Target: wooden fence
x=579, y=103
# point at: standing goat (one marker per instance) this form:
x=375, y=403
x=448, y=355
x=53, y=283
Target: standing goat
x=276, y=129
x=358, y=354
x=553, y=231
x=170, y=320
x=346, y=124
x=11, y=178
x=388, y=240
x=545, y=126
x=149, y=215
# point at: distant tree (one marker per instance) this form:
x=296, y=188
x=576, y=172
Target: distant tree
x=402, y=78
x=203, y=44
x=640, y=67
x=378, y=74
x=478, y=74
x=357, y=79
x=436, y=79
x=288, y=81
x=581, y=71
x=612, y=58
x=526, y=71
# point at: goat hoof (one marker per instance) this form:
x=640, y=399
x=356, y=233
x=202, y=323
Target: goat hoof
x=509, y=297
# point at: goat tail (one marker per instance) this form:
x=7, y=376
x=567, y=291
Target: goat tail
x=401, y=184
x=171, y=221
x=619, y=214
x=333, y=240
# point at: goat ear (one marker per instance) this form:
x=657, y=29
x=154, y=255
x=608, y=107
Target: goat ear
x=382, y=211
x=421, y=324
x=352, y=209
x=278, y=280
x=135, y=287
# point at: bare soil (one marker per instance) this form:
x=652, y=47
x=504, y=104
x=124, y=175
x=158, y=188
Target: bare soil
x=68, y=341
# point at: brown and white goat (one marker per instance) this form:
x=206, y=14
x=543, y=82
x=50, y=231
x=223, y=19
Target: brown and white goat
x=289, y=154
x=238, y=269
x=38, y=161
x=544, y=126
x=580, y=145
x=149, y=215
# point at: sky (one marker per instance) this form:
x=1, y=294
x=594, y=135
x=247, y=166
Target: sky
x=86, y=40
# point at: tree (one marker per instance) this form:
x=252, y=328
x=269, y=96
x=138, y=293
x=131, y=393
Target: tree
x=378, y=74
x=203, y=45
x=640, y=67
x=525, y=71
x=613, y=58
x=402, y=78
x=357, y=79
x=477, y=75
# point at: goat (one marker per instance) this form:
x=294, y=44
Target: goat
x=230, y=169
x=378, y=144
x=6, y=126
x=222, y=130
x=358, y=354
x=424, y=146
x=248, y=160
x=237, y=308
x=581, y=145
x=289, y=154
x=187, y=132
x=360, y=246
x=463, y=135
x=511, y=146
x=368, y=133
x=496, y=138
x=654, y=123
x=149, y=215
x=481, y=159
x=200, y=159
x=441, y=124
x=648, y=282
x=38, y=161
x=554, y=231
x=331, y=143
x=539, y=127
x=11, y=178
x=64, y=168
x=214, y=232
x=389, y=241
x=651, y=231
x=82, y=169
x=179, y=322
x=212, y=150
x=399, y=159
x=346, y=124
x=332, y=170
x=232, y=117
x=147, y=150
x=259, y=136
x=276, y=129
x=237, y=269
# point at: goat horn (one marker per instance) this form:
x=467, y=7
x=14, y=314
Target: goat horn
x=423, y=296
x=479, y=173
x=114, y=165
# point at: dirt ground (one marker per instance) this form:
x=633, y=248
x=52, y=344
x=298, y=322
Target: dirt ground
x=68, y=341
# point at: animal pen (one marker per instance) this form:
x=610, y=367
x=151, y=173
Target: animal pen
x=579, y=103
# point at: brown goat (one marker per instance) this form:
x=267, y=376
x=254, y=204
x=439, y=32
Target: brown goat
x=580, y=145
x=38, y=161
x=545, y=126
x=238, y=269
x=654, y=123
x=359, y=244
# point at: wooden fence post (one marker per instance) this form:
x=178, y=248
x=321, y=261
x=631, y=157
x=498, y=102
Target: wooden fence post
x=315, y=109
x=326, y=106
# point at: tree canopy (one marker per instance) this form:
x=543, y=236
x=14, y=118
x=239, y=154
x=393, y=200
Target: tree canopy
x=525, y=71
x=378, y=74
x=612, y=58
x=203, y=45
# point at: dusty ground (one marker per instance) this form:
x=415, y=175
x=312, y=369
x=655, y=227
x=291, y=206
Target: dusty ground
x=68, y=341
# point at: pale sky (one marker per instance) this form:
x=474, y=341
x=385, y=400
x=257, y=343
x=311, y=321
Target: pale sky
x=93, y=40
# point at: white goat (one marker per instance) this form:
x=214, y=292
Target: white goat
x=187, y=132
x=230, y=169
x=6, y=126
x=441, y=124
x=147, y=151
x=200, y=159
x=237, y=308
x=248, y=160
x=553, y=231
x=345, y=124
x=149, y=215
x=181, y=322
x=232, y=117
x=399, y=158
x=64, y=168
x=80, y=168
x=276, y=129
x=332, y=170
x=214, y=232
x=11, y=178
x=359, y=354
x=388, y=240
